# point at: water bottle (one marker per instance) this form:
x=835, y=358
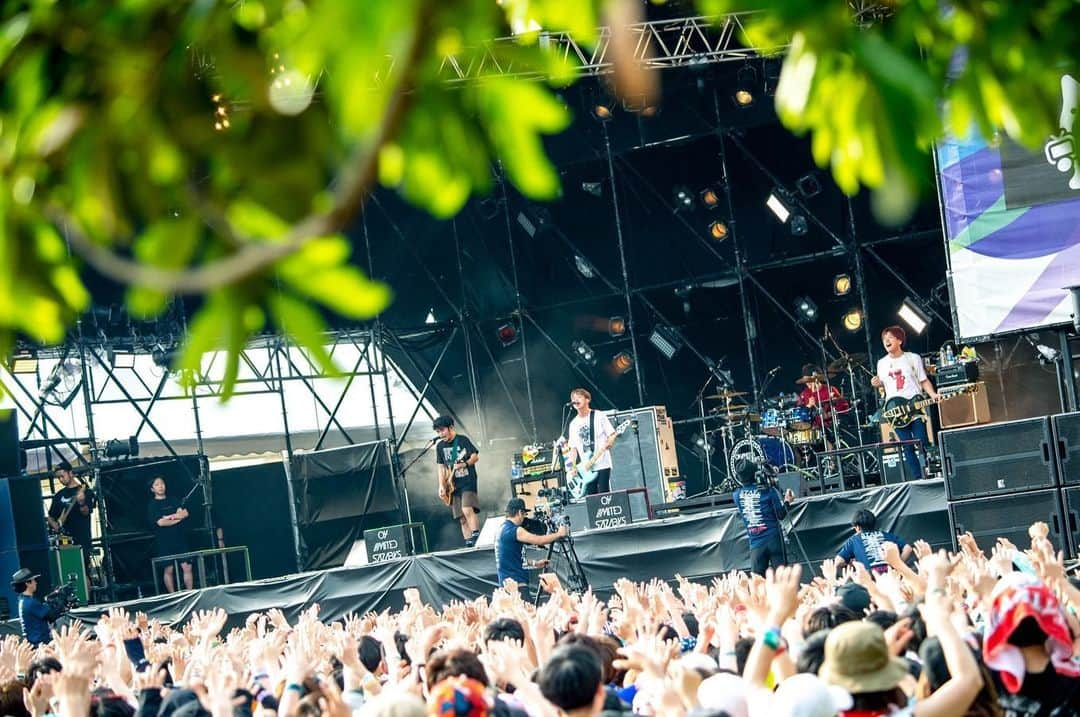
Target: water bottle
x=950, y=358
x=515, y=468
x=941, y=356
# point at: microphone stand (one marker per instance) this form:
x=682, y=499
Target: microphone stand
x=700, y=400
x=430, y=444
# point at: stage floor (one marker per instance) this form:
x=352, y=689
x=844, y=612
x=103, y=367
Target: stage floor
x=695, y=546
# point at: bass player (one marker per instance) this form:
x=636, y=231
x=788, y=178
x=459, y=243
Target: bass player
x=456, y=458
x=590, y=431
x=901, y=373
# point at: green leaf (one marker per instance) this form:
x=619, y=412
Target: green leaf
x=300, y=321
x=344, y=289
x=252, y=220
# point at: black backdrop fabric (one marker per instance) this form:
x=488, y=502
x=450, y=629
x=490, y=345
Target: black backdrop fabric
x=251, y=506
x=695, y=546
x=339, y=494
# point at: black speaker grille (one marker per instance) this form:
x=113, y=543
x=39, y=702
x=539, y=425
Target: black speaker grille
x=1067, y=436
x=998, y=459
x=1008, y=516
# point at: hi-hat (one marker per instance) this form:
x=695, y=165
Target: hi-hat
x=726, y=395
x=849, y=360
x=814, y=377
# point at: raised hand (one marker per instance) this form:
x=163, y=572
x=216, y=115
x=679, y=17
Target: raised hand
x=921, y=548
x=782, y=592
x=1039, y=531
x=36, y=699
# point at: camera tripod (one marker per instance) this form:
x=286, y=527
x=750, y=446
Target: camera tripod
x=575, y=580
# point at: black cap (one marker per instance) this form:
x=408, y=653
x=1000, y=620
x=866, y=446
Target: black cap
x=746, y=470
x=854, y=597
x=23, y=575
x=442, y=422
x=515, y=506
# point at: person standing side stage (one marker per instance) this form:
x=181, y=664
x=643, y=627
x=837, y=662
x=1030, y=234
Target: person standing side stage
x=70, y=509
x=901, y=373
x=456, y=458
x=761, y=509
x=588, y=432
x=166, y=516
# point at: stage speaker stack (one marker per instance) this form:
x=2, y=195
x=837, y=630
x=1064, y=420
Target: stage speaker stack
x=644, y=456
x=23, y=539
x=1001, y=478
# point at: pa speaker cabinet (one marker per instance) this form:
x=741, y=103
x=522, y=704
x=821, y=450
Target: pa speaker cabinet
x=1071, y=500
x=644, y=456
x=966, y=409
x=1067, y=446
x=997, y=459
x=1008, y=516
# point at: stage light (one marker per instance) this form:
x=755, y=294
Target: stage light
x=746, y=85
x=507, y=333
x=852, y=320
x=805, y=308
x=115, y=448
x=778, y=207
x=683, y=198
x=603, y=110
x=841, y=284
x=24, y=363
x=623, y=362
x=430, y=318
x=808, y=185
x=710, y=198
x=616, y=326
x=584, y=352
x=123, y=359
x=913, y=315
x=666, y=340
x=798, y=225
x=594, y=188
x=718, y=230
x=584, y=267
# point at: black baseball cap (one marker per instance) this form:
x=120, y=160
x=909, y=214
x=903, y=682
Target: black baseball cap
x=515, y=506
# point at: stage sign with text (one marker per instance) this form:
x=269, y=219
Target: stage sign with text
x=608, y=510
x=386, y=543
x=1012, y=234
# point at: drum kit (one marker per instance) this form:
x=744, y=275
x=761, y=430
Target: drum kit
x=778, y=432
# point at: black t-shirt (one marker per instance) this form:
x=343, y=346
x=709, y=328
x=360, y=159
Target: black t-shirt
x=1042, y=694
x=76, y=523
x=168, y=539
x=449, y=452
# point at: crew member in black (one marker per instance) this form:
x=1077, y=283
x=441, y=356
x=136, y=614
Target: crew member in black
x=166, y=516
x=761, y=508
x=71, y=508
x=34, y=614
x=456, y=458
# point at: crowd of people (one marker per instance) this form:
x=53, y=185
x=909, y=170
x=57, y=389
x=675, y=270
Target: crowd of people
x=934, y=635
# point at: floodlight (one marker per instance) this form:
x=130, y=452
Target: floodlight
x=623, y=362
x=666, y=340
x=913, y=315
x=805, y=308
x=778, y=207
x=616, y=326
x=718, y=230
x=507, y=333
x=584, y=352
x=852, y=320
x=841, y=284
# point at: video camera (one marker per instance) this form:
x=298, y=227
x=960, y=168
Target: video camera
x=62, y=600
x=556, y=496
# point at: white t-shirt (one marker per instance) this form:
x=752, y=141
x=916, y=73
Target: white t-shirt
x=902, y=376
x=579, y=438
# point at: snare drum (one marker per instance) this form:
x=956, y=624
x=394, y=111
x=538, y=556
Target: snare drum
x=805, y=437
x=799, y=417
x=773, y=421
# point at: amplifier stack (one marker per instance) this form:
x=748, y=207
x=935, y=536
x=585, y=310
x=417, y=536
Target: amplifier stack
x=1001, y=478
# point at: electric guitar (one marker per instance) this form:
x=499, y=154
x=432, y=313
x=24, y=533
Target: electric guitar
x=902, y=412
x=579, y=475
x=446, y=495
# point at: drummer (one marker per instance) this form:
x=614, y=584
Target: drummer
x=816, y=394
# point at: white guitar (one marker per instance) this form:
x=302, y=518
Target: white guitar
x=579, y=475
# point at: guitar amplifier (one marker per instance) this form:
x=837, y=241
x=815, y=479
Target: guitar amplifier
x=539, y=462
x=957, y=374
x=644, y=456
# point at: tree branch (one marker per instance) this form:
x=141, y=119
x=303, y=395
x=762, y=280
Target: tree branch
x=355, y=184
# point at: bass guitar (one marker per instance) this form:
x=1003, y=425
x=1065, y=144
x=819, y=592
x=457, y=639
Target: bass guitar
x=581, y=474
x=902, y=412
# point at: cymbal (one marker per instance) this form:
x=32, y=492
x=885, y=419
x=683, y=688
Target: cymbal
x=842, y=363
x=736, y=416
x=725, y=395
x=818, y=377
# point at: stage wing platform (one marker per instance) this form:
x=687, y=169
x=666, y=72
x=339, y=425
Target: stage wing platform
x=696, y=546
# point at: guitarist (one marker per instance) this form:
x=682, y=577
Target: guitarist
x=456, y=458
x=70, y=509
x=589, y=432
x=901, y=373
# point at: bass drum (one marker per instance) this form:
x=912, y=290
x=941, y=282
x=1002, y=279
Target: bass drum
x=763, y=450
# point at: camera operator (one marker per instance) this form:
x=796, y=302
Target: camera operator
x=34, y=615
x=761, y=508
x=512, y=539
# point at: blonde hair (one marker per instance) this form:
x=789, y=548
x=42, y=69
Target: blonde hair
x=581, y=392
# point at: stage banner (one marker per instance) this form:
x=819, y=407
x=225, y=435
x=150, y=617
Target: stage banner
x=1012, y=227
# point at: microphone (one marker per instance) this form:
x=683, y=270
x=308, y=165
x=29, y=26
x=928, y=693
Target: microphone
x=568, y=403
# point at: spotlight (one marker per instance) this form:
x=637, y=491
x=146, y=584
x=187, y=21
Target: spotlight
x=584, y=352
x=683, y=198
x=507, y=333
x=718, y=230
x=913, y=315
x=798, y=225
x=616, y=326
x=116, y=448
x=808, y=185
x=710, y=198
x=623, y=362
x=24, y=363
x=778, y=206
x=841, y=284
x=852, y=320
x=746, y=84
x=430, y=318
x=666, y=340
x=806, y=308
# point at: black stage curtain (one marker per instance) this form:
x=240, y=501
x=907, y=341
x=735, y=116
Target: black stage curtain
x=695, y=546
x=251, y=506
x=340, y=493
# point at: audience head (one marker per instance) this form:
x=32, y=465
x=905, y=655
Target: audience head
x=571, y=679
